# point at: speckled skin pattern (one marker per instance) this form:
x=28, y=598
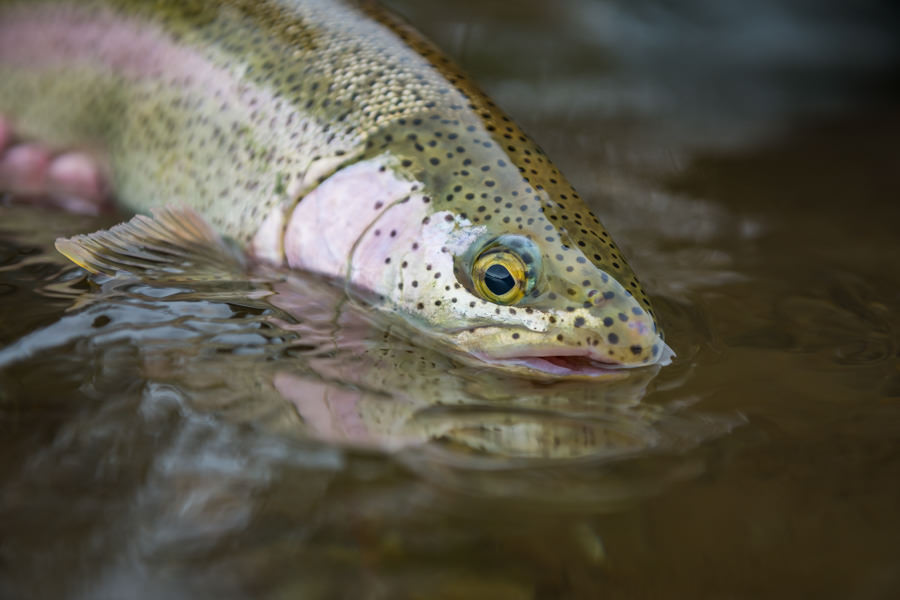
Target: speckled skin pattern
x=240, y=108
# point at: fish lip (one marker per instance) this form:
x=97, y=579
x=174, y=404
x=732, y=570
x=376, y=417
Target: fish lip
x=559, y=362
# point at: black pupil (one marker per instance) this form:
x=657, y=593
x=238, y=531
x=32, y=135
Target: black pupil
x=498, y=280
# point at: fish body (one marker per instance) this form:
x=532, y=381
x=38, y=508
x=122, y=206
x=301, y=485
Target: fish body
x=328, y=136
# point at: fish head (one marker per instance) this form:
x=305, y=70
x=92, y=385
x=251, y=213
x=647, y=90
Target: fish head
x=503, y=264
x=554, y=310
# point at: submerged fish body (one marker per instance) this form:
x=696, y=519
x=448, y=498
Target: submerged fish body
x=326, y=135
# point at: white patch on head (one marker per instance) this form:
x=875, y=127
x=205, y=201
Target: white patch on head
x=445, y=236
x=457, y=234
x=328, y=222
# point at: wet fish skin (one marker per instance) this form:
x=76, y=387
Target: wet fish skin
x=277, y=119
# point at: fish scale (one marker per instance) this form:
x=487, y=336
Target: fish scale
x=246, y=111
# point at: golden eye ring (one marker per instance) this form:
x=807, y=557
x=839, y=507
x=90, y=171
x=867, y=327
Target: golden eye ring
x=500, y=276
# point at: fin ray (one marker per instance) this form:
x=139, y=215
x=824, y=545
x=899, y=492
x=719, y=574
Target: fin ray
x=172, y=243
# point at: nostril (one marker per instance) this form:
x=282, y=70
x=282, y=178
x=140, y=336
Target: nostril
x=601, y=299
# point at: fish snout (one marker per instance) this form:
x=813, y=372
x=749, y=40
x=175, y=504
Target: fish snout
x=618, y=330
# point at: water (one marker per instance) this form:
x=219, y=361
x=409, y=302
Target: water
x=185, y=439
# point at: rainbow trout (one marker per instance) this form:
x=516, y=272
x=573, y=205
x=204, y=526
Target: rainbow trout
x=328, y=136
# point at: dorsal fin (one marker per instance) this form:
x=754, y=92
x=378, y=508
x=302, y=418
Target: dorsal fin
x=173, y=243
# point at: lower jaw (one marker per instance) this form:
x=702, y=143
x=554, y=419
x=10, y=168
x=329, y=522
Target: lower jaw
x=561, y=366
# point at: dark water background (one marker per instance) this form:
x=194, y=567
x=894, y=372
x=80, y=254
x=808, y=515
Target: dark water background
x=744, y=155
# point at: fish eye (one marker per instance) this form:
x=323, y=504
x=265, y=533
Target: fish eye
x=500, y=275
x=499, y=280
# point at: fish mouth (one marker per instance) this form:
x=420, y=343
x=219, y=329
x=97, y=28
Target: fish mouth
x=559, y=363
x=540, y=357
x=565, y=366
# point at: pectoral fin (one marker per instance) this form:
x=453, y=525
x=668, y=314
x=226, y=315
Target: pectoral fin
x=173, y=244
